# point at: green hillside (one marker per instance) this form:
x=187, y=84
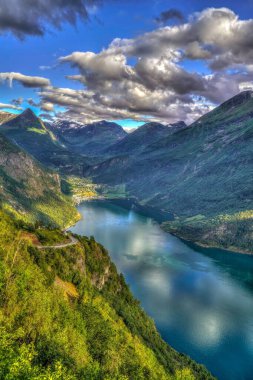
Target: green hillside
x=142, y=137
x=30, y=191
x=29, y=132
x=66, y=314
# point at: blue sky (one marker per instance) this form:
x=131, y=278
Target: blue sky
x=38, y=55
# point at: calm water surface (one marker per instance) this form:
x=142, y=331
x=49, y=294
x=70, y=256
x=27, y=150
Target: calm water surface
x=200, y=299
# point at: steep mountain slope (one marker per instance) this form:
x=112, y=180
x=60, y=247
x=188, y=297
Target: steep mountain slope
x=142, y=137
x=30, y=191
x=66, y=314
x=29, y=132
x=205, y=169
x=5, y=116
x=88, y=139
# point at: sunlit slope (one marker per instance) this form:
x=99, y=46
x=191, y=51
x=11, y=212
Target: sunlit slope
x=31, y=191
x=67, y=314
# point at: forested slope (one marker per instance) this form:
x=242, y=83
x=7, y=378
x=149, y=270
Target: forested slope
x=67, y=314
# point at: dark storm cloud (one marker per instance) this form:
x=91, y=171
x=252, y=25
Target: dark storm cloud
x=33, y=17
x=170, y=14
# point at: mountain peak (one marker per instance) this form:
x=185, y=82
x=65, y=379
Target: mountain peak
x=179, y=124
x=238, y=99
x=28, y=113
x=25, y=119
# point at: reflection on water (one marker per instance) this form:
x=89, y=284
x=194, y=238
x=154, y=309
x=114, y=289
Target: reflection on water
x=201, y=300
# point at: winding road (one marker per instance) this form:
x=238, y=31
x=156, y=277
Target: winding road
x=73, y=241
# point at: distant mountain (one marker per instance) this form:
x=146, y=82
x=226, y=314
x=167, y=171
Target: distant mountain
x=143, y=136
x=87, y=139
x=30, y=191
x=30, y=133
x=202, y=174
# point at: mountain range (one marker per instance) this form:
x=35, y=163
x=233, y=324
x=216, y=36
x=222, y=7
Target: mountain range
x=200, y=173
x=87, y=139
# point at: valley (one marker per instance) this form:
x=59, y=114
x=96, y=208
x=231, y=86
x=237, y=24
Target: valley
x=200, y=174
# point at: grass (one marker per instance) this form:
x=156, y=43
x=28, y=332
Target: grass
x=36, y=130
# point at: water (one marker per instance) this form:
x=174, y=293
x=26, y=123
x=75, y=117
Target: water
x=200, y=299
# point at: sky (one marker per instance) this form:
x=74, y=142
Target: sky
x=124, y=60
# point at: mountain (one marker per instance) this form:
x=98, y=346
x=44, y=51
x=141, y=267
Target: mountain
x=5, y=116
x=142, y=137
x=30, y=191
x=30, y=133
x=89, y=139
x=202, y=174
x=67, y=314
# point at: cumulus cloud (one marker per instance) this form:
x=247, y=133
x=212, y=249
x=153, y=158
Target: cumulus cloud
x=26, y=17
x=25, y=80
x=9, y=106
x=47, y=106
x=168, y=15
x=158, y=86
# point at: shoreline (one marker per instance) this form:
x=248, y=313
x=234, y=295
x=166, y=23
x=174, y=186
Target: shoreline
x=158, y=216
x=208, y=246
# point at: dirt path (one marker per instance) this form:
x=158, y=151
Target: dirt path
x=73, y=241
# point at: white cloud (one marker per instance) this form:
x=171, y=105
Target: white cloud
x=146, y=78
x=9, y=106
x=25, y=80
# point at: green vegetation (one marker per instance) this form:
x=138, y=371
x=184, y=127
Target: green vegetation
x=67, y=314
x=225, y=231
x=36, y=130
x=79, y=188
x=113, y=192
x=51, y=237
x=31, y=192
x=31, y=134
